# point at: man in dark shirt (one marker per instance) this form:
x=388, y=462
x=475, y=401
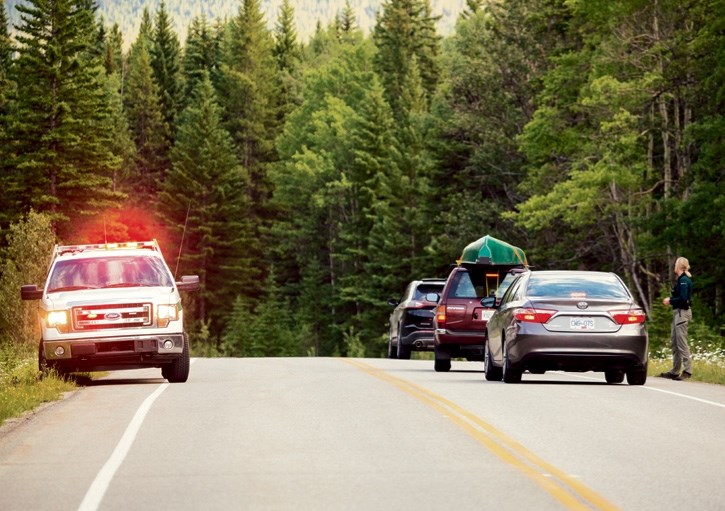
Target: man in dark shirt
x=680, y=301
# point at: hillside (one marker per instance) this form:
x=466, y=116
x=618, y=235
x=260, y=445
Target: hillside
x=127, y=13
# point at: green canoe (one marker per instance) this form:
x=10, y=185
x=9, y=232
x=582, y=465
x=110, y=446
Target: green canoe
x=490, y=251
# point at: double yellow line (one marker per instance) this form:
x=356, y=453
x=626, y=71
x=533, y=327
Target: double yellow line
x=568, y=491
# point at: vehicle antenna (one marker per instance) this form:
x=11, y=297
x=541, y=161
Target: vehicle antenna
x=178, y=258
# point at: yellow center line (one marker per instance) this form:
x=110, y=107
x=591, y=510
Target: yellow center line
x=568, y=491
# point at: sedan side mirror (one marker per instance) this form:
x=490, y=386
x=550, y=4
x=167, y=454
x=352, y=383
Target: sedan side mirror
x=489, y=301
x=393, y=302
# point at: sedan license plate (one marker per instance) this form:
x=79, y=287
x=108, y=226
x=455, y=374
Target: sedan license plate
x=581, y=323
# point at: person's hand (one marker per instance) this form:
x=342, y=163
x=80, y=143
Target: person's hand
x=666, y=301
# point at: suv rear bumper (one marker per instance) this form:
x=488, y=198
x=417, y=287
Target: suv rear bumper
x=419, y=340
x=460, y=337
x=112, y=352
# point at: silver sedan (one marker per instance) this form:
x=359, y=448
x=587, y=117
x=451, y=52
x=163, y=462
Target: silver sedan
x=569, y=321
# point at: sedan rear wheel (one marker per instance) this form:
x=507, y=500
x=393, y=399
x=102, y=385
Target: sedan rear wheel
x=510, y=374
x=614, y=376
x=493, y=373
x=637, y=376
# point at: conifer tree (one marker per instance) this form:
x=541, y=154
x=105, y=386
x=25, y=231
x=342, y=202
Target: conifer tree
x=8, y=201
x=201, y=56
x=207, y=182
x=113, y=51
x=406, y=29
x=166, y=63
x=145, y=118
x=63, y=155
x=248, y=93
x=288, y=53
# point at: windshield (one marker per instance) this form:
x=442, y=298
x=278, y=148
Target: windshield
x=119, y=271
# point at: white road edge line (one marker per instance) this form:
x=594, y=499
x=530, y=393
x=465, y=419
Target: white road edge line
x=713, y=403
x=100, y=484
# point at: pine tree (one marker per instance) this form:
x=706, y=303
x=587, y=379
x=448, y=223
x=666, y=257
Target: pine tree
x=201, y=56
x=288, y=53
x=207, y=181
x=9, y=207
x=145, y=118
x=166, y=63
x=63, y=155
x=405, y=30
x=113, y=51
x=248, y=92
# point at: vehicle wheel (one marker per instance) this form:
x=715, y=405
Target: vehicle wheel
x=493, y=373
x=614, y=376
x=42, y=362
x=510, y=374
x=178, y=370
x=442, y=362
x=637, y=376
x=392, y=350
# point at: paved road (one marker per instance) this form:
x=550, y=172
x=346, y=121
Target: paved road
x=369, y=434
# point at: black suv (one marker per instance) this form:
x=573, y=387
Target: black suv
x=411, y=322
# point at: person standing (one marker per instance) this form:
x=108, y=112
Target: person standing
x=680, y=301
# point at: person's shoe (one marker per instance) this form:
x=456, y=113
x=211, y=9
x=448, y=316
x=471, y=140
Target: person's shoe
x=669, y=376
x=685, y=375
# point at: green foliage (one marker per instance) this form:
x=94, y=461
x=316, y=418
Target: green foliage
x=63, y=163
x=207, y=183
x=166, y=63
x=25, y=261
x=20, y=389
x=142, y=99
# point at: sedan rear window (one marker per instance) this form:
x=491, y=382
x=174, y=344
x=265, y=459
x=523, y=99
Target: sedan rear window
x=576, y=286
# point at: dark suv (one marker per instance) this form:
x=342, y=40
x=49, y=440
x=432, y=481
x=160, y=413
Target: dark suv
x=460, y=318
x=411, y=322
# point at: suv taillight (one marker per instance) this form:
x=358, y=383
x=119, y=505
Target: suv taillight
x=441, y=316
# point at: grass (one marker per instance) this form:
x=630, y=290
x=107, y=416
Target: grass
x=708, y=361
x=21, y=389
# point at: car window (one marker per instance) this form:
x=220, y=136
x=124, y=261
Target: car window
x=513, y=290
x=424, y=289
x=576, y=286
x=505, y=284
x=463, y=287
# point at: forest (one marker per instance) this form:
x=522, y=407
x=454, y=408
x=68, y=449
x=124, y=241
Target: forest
x=307, y=182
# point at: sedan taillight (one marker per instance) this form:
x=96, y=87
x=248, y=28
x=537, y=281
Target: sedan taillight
x=629, y=317
x=533, y=315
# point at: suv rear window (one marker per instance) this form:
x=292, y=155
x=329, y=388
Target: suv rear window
x=576, y=286
x=424, y=289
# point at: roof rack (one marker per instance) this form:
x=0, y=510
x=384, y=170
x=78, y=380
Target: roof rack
x=70, y=249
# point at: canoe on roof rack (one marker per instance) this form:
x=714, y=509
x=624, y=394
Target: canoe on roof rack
x=491, y=251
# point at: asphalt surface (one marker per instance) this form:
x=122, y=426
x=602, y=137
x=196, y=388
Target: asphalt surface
x=368, y=434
